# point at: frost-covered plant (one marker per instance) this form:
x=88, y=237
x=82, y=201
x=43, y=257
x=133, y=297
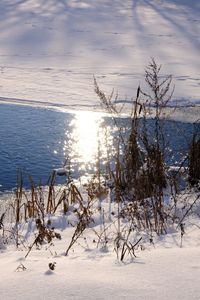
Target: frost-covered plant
x=84, y=217
x=140, y=170
x=46, y=234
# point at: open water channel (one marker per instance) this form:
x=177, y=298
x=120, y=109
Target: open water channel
x=38, y=140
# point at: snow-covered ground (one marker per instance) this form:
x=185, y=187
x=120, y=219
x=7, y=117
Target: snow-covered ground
x=159, y=274
x=49, y=53
x=50, y=50
x=165, y=269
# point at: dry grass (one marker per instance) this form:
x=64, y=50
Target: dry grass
x=138, y=179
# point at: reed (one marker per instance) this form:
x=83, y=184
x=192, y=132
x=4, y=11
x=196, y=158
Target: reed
x=140, y=172
x=134, y=184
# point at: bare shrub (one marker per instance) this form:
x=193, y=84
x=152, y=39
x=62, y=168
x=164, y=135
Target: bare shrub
x=46, y=233
x=84, y=219
x=140, y=171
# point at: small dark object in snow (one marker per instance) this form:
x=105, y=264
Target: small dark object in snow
x=52, y=266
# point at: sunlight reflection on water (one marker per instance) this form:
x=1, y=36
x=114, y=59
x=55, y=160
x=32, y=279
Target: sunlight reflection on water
x=39, y=140
x=87, y=139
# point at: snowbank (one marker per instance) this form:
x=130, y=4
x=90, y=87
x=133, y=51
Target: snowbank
x=50, y=50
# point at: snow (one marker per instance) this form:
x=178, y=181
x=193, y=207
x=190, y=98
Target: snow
x=167, y=274
x=164, y=268
x=50, y=50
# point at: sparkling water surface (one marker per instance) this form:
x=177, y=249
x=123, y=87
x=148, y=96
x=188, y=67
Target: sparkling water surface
x=37, y=140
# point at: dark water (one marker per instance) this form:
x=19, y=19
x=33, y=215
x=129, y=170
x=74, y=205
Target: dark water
x=37, y=140
x=29, y=138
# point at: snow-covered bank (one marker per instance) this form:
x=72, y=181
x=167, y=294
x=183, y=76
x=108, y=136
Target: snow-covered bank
x=160, y=270
x=164, y=267
x=49, y=53
x=50, y=50
x=159, y=274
